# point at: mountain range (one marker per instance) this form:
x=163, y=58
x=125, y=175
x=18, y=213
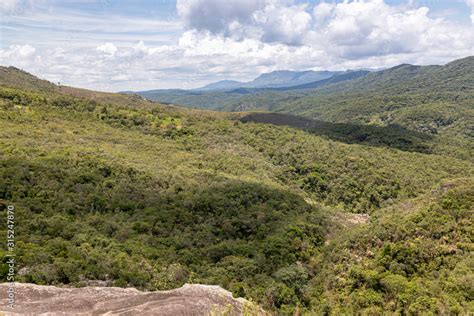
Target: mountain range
x=429, y=99
x=274, y=79
x=209, y=95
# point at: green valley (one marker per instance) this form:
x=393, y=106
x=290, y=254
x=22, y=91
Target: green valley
x=302, y=216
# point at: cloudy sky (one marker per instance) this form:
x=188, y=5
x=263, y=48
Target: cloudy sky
x=114, y=45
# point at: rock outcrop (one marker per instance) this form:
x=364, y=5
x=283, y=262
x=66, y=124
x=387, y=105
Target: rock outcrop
x=191, y=299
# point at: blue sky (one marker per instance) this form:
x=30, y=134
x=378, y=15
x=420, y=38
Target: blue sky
x=135, y=45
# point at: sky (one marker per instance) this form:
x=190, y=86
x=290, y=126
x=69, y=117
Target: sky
x=113, y=45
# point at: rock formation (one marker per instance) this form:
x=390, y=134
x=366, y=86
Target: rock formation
x=191, y=299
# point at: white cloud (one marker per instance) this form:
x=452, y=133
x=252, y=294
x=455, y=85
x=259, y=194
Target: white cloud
x=15, y=7
x=69, y=28
x=470, y=3
x=26, y=51
x=350, y=29
x=7, y=6
x=285, y=24
x=217, y=16
x=233, y=39
x=322, y=11
x=267, y=20
x=121, y=77
x=107, y=48
x=362, y=29
x=18, y=53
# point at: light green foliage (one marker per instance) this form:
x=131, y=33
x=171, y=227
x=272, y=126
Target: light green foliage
x=411, y=259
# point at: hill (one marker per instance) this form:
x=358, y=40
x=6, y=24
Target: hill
x=435, y=100
x=387, y=90
x=113, y=188
x=391, y=136
x=14, y=77
x=392, y=88
x=404, y=260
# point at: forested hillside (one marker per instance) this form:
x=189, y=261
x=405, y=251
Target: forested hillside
x=404, y=95
x=263, y=92
x=435, y=100
x=314, y=220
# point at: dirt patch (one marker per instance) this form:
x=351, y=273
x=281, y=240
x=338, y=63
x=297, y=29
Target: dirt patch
x=358, y=218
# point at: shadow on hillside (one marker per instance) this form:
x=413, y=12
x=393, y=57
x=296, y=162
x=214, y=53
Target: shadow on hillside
x=392, y=136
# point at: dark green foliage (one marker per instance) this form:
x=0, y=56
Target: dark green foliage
x=86, y=220
x=390, y=136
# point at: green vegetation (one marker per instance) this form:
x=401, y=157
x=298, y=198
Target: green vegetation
x=392, y=136
x=435, y=100
x=114, y=188
x=413, y=258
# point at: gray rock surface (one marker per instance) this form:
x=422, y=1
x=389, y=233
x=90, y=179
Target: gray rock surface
x=191, y=299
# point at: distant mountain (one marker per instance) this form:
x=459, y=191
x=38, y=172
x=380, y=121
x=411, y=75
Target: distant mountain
x=349, y=75
x=274, y=79
x=220, y=94
x=168, y=91
x=286, y=78
x=388, y=90
x=221, y=85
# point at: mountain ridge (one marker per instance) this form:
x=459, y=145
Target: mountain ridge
x=274, y=79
